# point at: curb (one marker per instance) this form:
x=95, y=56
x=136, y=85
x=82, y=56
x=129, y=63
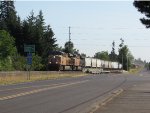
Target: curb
x=99, y=104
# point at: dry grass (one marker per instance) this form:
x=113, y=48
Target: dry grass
x=135, y=71
x=23, y=77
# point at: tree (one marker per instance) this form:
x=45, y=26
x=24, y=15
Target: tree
x=83, y=55
x=144, y=8
x=113, y=55
x=48, y=44
x=18, y=35
x=102, y=55
x=19, y=62
x=48, y=41
x=10, y=22
x=69, y=47
x=7, y=16
x=7, y=44
x=122, y=57
x=125, y=57
x=29, y=29
x=7, y=50
x=36, y=63
x=39, y=32
x=59, y=48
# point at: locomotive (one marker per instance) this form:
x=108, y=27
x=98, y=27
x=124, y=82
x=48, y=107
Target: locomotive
x=59, y=61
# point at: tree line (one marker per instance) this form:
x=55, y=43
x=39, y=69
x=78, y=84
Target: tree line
x=15, y=33
x=124, y=55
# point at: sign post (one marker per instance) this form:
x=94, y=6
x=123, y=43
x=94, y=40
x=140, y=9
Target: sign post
x=29, y=49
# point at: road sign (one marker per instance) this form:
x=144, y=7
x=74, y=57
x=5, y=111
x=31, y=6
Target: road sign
x=29, y=58
x=29, y=48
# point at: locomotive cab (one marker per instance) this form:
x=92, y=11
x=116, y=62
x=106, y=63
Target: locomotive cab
x=55, y=60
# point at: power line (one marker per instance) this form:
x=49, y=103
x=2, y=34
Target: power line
x=99, y=28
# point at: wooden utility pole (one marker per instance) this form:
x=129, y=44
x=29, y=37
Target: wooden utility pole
x=69, y=39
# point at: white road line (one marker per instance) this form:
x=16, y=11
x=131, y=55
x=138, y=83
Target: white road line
x=31, y=87
x=40, y=90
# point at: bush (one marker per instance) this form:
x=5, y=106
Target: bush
x=36, y=63
x=7, y=51
x=6, y=64
x=19, y=63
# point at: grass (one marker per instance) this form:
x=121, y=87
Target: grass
x=14, y=79
x=135, y=71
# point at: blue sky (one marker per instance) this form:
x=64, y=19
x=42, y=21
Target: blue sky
x=94, y=25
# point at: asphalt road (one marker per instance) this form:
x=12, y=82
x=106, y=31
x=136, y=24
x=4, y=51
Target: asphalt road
x=135, y=99
x=68, y=95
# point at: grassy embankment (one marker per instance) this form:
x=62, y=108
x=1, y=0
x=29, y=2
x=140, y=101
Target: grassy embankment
x=22, y=77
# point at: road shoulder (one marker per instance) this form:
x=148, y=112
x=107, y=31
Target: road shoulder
x=134, y=100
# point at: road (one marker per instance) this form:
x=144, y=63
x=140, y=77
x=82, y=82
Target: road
x=134, y=99
x=67, y=95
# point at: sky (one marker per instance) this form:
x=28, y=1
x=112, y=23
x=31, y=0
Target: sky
x=94, y=24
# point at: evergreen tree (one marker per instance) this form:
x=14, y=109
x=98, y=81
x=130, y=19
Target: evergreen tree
x=48, y=44
x=125, y=57
x=8, y=16
x=10, y=22
x=18, y=35
x=144, y=8
x=29, y=29
x=113, y=55
x=40, y=29
x=122, y=57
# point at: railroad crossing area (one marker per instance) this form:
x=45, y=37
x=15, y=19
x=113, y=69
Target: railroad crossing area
x=133, y=100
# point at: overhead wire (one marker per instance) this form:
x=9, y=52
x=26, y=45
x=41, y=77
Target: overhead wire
x=81, y=34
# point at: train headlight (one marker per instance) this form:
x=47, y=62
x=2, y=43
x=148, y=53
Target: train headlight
x=50, y=62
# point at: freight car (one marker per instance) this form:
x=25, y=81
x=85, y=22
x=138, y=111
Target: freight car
x=100, y=64
x=60, y=60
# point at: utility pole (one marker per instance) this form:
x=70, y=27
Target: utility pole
x=122, y=62
x=127, y=63
x=69, y=38
x=69, y=34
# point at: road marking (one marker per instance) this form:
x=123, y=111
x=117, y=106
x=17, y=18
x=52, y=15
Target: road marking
x=141, y=74
x=40, y=90
x=31, y=87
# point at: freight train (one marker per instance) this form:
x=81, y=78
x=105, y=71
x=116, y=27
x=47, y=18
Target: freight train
x=59, y=61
